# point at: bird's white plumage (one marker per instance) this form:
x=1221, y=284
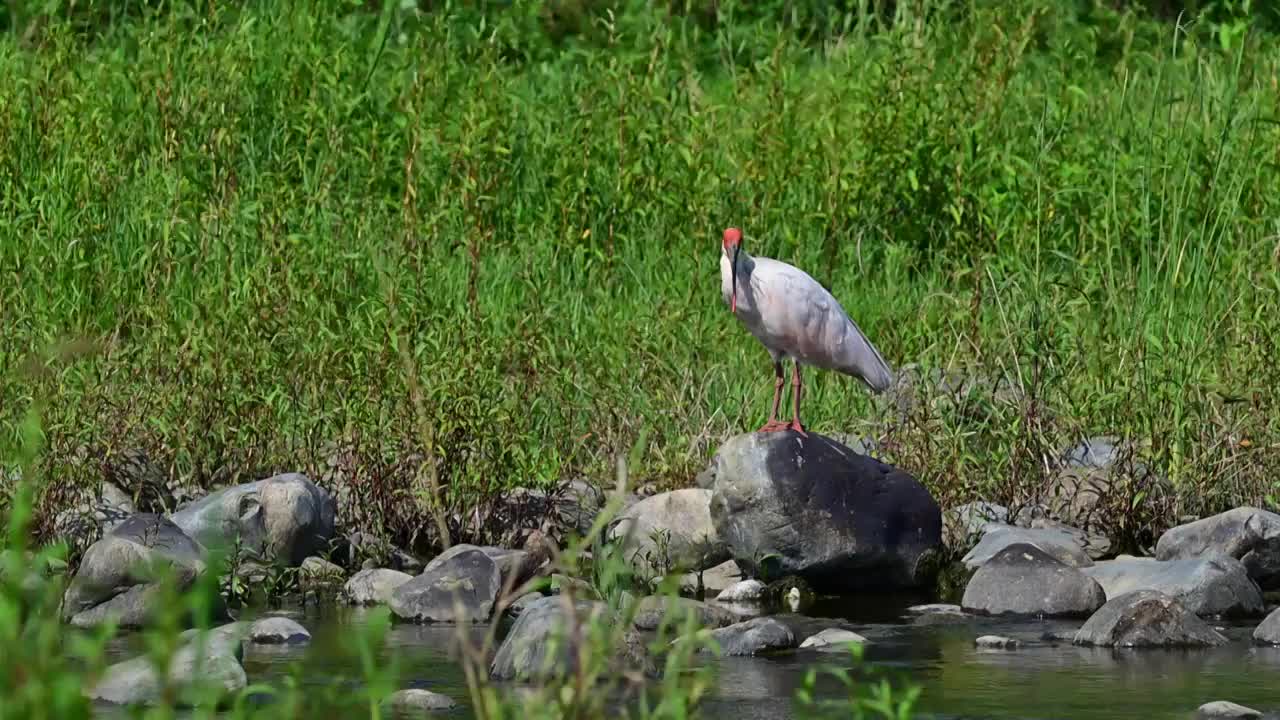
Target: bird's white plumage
x=793, y=316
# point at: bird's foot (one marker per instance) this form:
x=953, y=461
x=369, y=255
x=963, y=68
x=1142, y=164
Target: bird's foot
x=773, y=426
x=795, y=426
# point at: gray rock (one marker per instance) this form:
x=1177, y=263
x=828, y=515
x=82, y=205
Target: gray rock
x=1248, y=534
x=1146, y=618
x=655, y=609
x=964, y=525
x=202, y=670
x=811, y=507
x=517, y=606
x=833, y=640
x=671, y=531
x=1217, y=585
x=1095, y=452
x=462, y=589
x=753, y=637
x=1024, y=580
x=1059, y=543
x=86, y=523
x=935, y=608
x=284, y=518
x=1268, y=631
x=1075, y=495
x=118, y=574
x=995, y=642
x=316, y=572
x=513, y=565
x=544, y=641
x=714, y=580
x=374, y=587
x=1223, y=710
x=746, y=591
x=278, y=631
x=417, y=700
x=579, y=589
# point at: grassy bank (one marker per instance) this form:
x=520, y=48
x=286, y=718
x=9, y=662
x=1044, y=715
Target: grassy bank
x=260, y=237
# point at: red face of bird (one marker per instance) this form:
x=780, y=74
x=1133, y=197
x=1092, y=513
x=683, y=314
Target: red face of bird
x=731, y=245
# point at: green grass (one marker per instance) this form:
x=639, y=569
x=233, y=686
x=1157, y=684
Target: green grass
x=233, y=234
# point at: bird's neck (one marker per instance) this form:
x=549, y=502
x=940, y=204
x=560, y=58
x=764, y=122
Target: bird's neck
x=746, y=264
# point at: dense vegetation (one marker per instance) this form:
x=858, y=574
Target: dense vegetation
x=360, y=241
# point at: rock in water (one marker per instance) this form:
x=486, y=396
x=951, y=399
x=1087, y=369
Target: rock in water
x=1223, y=710
x=463, y=589
x=416, y=700
x=1248, y=534
x=654, y=609
x=813, y=508
x=118, y=574
x=202, y=671
x=1146, y=618
x=753, y=637
x=671, y=531
x=511, y=563
x=746, y=591
x=1217, y=585
x=1024, y=580
x=544, y=641
x=284, y=518
x=374, y=587
x=278, y=631
x=996, y=642
x=1268, y=632
x=833, y=640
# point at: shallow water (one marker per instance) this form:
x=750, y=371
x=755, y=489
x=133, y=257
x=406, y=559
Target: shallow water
x=1039, y=680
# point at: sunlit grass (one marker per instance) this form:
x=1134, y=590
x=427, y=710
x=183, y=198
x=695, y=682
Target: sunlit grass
x=217, y=225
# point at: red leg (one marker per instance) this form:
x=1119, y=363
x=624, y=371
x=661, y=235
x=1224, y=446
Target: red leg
x=774, y=424
x=796, y=384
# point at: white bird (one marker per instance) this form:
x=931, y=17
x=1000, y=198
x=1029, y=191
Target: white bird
x=794, y=317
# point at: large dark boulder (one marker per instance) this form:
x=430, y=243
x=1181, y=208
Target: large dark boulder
x=753, y=637
x=282, y=519
x=1248, y=534
x=811, y=507
x=119, y=577
x=1146, y=618
x=1024, y=580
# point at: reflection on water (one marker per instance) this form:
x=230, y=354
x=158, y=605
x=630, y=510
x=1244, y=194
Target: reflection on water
x=1042, y=679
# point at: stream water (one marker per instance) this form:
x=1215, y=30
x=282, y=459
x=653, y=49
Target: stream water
x=1040, y=679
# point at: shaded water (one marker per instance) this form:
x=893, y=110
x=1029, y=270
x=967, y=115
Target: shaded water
x=1040, y=680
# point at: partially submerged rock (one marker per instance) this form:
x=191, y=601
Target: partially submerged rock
x=833, y=640
x=743, y=592
x=119, y=576
x=811, y=507
x=1146, y=618
x=655, y=609
x=461, y=589
x=278, y=631
x=282, y=519
x=374, y=587
x=1268, y=631
x=995, y=642
x=1224, y=710
x=545, y=640
x=1248, y=534
x=671, y=531
x=513, y=565
x=418, y=700
x=1024, y=580
x=206, y=670
x=753, y=637
x=1216, y=585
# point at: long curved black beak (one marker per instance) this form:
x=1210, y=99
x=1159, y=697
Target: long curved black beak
x=733, y=273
